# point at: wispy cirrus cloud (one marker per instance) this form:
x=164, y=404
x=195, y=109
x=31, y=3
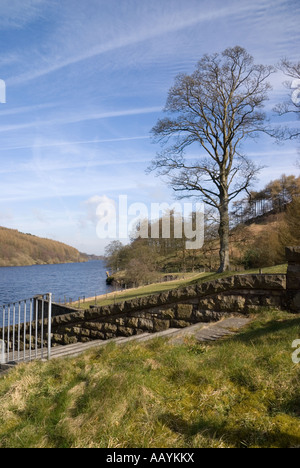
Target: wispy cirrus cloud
x=140, y=26
x=59, y=144
x=106, y=67
x=79, y=117
x=26, y=109
x=18, y=13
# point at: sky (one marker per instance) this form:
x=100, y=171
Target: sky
x=86, y=82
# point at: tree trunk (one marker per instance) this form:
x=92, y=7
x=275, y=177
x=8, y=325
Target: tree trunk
x=224, y=235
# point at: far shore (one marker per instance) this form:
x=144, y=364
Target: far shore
x=119, y=292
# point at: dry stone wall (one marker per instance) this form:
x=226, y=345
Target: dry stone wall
x=206, y=302
x=177, y=308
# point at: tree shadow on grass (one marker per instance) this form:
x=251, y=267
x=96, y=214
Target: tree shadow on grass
x=240, y=437
x=274, y=326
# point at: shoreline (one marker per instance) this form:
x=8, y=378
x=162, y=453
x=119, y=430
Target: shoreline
x=119, y=292
x=49, y=264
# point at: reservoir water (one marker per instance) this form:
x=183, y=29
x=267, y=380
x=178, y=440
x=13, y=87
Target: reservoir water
x=70, y=281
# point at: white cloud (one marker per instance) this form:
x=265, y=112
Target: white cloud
x=58, y=144
x=8, y=59
x=136, y=48
x=141, y=23
x=17, y=13
x=79, y=117
x=6, y=216
x=90, y=207
x=26, y=109
x=40, y=216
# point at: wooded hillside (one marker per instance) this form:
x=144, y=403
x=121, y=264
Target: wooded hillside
x=18, y=249
x=258, y=237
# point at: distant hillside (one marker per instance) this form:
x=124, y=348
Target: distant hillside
x=17, y=249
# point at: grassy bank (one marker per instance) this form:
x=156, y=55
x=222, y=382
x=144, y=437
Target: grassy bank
x=240, y=392
x=156, y=288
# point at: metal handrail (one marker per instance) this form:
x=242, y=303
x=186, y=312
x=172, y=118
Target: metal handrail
x=23, y=326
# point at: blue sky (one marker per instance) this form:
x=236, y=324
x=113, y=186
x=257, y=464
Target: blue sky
x=86, y=81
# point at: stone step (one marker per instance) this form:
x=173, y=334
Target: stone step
x=208, y=332
x=4, y=368
x=79, y=348
x=202, y=332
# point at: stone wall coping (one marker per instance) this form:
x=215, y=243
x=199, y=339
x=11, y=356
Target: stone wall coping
x=293, y=254
x=266, y=282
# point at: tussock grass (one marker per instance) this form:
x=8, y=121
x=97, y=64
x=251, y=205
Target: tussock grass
x=238, y=392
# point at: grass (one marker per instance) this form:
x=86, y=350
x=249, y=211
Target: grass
x=238, y=392
x=157, y=288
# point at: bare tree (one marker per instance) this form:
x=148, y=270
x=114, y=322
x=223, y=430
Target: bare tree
x=113, y=254
x=218, y=107
x=292, y=105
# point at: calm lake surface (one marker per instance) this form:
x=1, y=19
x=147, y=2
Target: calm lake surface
x=71, y=280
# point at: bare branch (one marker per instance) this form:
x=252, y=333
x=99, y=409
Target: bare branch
x=216, y=108
x=292, y=105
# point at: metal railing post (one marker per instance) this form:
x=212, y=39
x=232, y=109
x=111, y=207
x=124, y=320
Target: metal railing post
x=42, y=326
x=31, y=302
x=13, y=332
x=49, y=324
x=19, y=330
x=24, y=331
x=2, y=342
x=36, y=325
x=8, y=333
